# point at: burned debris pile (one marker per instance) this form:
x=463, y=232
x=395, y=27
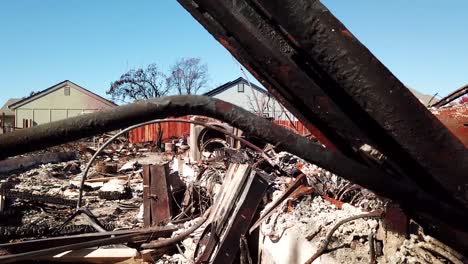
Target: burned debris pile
x=225, y=204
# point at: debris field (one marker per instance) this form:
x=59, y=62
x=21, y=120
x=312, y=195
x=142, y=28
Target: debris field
x=228, y=204
x=382, y=178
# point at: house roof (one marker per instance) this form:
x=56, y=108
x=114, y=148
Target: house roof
x=56, y=87
x=5, y=108
x=228, y=85
x=424, y=98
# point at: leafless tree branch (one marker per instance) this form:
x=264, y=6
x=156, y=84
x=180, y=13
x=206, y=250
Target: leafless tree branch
x=188, y=76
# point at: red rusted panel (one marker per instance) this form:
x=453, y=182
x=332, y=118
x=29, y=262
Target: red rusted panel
x=455, y=118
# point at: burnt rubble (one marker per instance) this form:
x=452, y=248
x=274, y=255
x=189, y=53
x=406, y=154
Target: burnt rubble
x=383, y=180
x=231, y=204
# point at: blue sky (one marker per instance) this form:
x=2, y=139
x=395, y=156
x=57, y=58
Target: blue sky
x=424, y=43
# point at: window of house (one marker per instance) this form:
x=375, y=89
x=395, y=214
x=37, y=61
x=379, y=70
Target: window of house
x=240, y=88
x=66, y=91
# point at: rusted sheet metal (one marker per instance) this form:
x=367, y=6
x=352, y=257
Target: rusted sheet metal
x=455, y=118
x=156, y=198
x=149, y=133
x=302, y=53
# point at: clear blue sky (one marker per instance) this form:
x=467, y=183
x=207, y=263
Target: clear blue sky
x=424, y=43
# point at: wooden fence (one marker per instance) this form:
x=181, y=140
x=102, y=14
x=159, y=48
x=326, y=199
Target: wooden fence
x=149, y=133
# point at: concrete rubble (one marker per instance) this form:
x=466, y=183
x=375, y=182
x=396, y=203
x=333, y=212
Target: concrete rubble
x=40, y=201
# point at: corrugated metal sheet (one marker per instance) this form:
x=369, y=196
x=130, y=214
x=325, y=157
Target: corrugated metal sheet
x=170, y=130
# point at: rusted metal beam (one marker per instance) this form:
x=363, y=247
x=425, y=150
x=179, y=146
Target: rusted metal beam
x=301, y=52
x=269, y=57
x=451, y=97
x=402, y=128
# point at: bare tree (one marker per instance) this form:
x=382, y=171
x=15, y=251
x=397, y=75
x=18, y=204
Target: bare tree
x=188, y=76
x=263, y=104
x=140, y=84
x=260, y=103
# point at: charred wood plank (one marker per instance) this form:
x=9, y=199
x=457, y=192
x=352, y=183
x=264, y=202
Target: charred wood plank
x=156, y=199
x=37, y=244
x=233, y=210
x=19, y=164
x=239, y=222
x=30, y=196
x=139, y=236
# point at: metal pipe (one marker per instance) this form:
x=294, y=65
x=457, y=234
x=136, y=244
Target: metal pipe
x=451, y=97
x=90, y=162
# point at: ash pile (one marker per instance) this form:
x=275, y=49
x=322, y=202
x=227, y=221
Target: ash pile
x=203, y=199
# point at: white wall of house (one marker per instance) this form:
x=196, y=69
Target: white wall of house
x=58, y=104
x=246, y=97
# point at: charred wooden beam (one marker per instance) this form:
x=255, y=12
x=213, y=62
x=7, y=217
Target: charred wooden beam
x=40, y=230
x=19, y=164
x=45, y=250
x=43, y=198
x=242, y=215
x=233, y=210
x=156, y=199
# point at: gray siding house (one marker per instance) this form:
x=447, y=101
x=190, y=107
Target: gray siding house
x=251, y=97
x=63, y=100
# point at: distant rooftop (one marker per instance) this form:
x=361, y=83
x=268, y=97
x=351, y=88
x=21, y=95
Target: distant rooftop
x=5, y=108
